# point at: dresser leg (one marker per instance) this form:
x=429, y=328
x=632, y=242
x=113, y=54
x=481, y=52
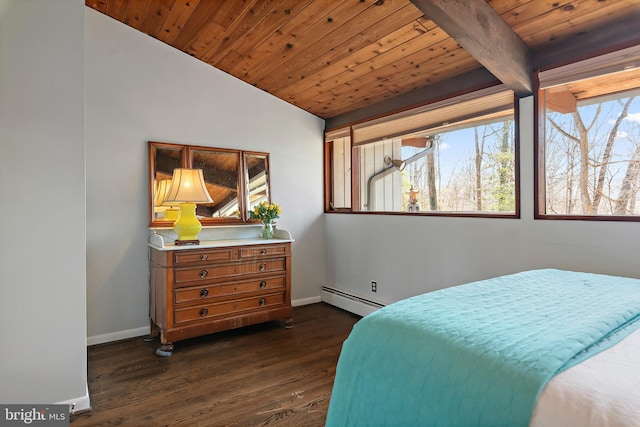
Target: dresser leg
x=165, y=350
x=288, y=322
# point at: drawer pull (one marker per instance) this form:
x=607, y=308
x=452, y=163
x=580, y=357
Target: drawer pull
x=204, y=273
x=263, y=267
x=263, y=252
x=204, y=312
x=204, y=293
x=263, y=284
x=204, y=257
x=262, y=301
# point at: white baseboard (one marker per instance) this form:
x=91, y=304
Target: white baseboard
x=116, y=336
x=350, y=302
x=306, y=301
x=78, y=404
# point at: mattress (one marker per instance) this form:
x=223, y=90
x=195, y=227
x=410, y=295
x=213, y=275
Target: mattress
x=602, y=391
x=481, y=353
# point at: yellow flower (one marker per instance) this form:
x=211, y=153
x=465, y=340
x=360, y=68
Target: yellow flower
x=265, y=211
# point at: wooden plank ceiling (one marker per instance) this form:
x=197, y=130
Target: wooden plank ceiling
x=332, y=57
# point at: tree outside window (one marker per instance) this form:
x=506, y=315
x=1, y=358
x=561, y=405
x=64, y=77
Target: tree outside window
x=468, y=169
x=592, y=156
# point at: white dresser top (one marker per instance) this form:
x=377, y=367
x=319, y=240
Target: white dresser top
x=217, y=237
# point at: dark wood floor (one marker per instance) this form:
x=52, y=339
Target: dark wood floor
x=254, y=376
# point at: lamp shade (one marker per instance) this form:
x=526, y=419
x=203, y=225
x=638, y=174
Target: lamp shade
x=161, y=190
x=160, y=206
x=187, y=186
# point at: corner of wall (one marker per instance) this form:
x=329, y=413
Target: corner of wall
x=78, y=404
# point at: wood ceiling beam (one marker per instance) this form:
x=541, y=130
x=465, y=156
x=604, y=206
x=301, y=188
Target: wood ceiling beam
x=597, y=41
x=485, y=36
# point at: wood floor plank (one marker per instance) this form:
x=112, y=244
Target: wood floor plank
x=254, y=376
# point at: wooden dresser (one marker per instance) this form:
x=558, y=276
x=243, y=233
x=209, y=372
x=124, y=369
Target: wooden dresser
x=216, y=286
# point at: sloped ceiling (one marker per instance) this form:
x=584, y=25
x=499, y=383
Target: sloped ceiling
x=345, y=60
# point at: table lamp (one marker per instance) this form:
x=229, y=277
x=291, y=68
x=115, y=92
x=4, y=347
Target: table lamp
x=187, y=189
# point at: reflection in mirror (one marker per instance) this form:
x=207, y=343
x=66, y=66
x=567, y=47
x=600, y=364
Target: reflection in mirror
x=257, y=178
x=221, y=171
x=166, y=159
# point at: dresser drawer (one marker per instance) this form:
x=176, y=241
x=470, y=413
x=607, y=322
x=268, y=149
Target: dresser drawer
x=245, y=252
x=205, y=292
x=184, y=276
x=226, y=308
x=204, y=256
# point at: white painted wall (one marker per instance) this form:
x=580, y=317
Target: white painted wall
x=412, y=255
x=139, y=89
x=4, y=7
x=42, y=195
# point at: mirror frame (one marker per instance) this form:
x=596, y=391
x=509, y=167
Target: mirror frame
x=186, y=162
x=247, y=178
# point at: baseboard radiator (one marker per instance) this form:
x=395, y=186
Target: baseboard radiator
x=349, y=301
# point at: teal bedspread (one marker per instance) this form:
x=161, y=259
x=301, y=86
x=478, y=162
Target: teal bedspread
x=477, y=354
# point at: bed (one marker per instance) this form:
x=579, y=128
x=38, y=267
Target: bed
x=538, y=348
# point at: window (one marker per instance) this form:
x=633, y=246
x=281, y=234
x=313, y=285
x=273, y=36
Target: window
x=589, y=142
x=453, y=157
x=338, y=160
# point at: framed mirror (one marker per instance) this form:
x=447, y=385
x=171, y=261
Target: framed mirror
x=235, y=181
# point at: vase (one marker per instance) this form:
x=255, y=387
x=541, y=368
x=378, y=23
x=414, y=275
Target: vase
x=267, y=230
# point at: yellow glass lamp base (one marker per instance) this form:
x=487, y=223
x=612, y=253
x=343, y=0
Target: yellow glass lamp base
x=171, y=214
x=187, y=226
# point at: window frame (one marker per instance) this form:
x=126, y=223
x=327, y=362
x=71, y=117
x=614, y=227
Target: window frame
x=355, y=161
x=539, y=154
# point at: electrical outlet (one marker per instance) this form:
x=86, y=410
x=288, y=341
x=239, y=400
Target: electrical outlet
x=374, y=286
